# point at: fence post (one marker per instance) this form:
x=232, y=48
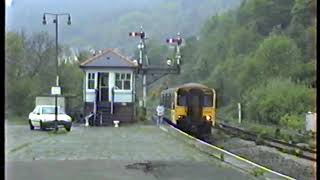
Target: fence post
x=239, y=113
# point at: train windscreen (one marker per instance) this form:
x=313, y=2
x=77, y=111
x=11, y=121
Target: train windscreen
x=182, y=98
x=207, y=100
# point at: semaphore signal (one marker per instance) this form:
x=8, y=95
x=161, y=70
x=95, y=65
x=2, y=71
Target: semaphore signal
x=145, y=68
x=137, y=34
x=175, y=41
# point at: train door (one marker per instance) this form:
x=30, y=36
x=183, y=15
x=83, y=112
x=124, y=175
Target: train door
x=195, y=97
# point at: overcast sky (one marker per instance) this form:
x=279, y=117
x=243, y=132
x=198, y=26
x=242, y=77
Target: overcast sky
x=8, y=3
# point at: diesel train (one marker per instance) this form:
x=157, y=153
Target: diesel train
x=191, y=107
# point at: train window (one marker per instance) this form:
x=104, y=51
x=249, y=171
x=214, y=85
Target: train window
x=207, y=100
x=182, y=100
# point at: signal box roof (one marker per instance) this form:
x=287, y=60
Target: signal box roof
x=109, y=58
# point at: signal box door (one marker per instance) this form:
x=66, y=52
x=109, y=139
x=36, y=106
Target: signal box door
x=103, y=86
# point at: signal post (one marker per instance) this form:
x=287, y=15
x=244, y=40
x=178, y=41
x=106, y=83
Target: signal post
x=144, y=68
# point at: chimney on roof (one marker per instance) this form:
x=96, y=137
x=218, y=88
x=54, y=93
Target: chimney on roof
x=93, y=52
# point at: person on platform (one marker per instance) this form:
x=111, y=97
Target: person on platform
x=160, y=111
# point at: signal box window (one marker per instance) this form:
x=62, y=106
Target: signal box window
x=91, y=80
x=123, y=81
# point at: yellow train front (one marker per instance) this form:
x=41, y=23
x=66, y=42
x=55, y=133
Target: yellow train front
x=191, y=107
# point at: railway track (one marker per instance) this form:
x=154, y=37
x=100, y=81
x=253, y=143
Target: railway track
x=305, y=153
x=224, y=155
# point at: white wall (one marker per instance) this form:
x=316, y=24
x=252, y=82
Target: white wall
x=90, y=96
x=123, y=96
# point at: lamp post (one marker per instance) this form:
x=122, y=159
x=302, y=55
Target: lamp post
x=55, y=20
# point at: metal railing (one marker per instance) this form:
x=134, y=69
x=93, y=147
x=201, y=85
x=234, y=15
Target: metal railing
x=112, y=100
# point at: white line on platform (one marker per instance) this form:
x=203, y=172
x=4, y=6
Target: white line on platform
x=229, y=153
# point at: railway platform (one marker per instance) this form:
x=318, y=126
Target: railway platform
x=126, y=152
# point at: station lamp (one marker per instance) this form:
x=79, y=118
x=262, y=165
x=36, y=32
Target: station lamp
x=69, y=20
x=44, y=22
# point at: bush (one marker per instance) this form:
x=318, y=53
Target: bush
x=292, y=121
x=269, y=102
x=286, y=137
x=277, y=133
x=259, y=140
x=257, y=172
x=141, y=114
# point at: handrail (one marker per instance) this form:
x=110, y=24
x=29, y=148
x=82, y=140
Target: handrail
x=95, y=105
x=112, y=100
x=87, y=119
x=101, y=114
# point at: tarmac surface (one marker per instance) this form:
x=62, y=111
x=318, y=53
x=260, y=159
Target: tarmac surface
x=128, y=152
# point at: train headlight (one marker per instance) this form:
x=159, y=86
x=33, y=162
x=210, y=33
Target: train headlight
x=180, y=117
x=208, y=118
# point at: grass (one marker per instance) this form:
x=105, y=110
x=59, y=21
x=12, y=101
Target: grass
x=222, y=157
x=272, y=131
x=257, y=172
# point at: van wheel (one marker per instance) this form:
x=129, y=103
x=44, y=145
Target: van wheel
x=68, y=128
x=42, y=126
x=31, y=126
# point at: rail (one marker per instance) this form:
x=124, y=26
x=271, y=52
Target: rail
x=286, y=147
x=224, y=155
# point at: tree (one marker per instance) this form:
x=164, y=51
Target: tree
x=266, y=14
x=302, y=12
x=83, y=55
x=29, y=63
x=277, y=56
x=279, y=96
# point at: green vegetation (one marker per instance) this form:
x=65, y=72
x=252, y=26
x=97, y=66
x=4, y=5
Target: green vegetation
x=222, y=157
x=283, y=133
x=257, y=172
x=30, y=72
x=259, y=140
x=261, y=55
x=141, y=114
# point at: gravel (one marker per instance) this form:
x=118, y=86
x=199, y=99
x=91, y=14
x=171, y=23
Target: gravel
x=266, y=156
